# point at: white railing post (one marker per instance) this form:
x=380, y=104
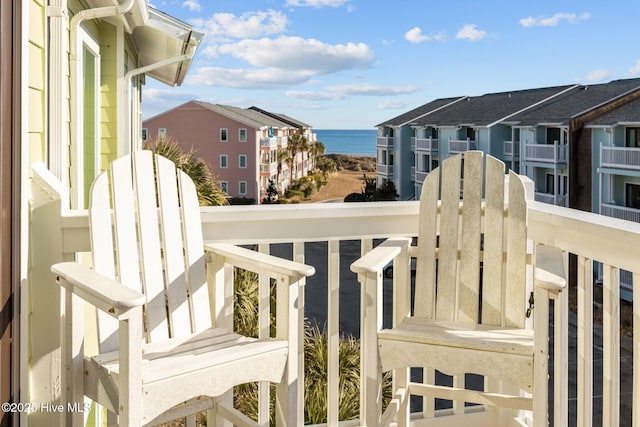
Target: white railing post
x=611, y=346
x=585, y=341
x=333, y=332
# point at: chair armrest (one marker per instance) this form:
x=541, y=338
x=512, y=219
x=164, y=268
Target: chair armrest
x=376, y=259
x=549, y=272
x=108, y=295
x=258, y=262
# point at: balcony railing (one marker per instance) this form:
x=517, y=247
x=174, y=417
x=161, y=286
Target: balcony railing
x=269, y=168
x=268, y=142
x=620, y=212
x=620, y=157
x=384, y=169
x=512, y=149
x=553, y=199
x=461, y=145
x=385, y=141
x=413, y=142
x=333, y=227
x=427, y=144
x=420, y=176
x=548, y=153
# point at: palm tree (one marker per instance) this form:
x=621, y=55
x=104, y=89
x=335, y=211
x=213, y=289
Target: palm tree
x=297, y=144
x=208, y=189
x=316, y=150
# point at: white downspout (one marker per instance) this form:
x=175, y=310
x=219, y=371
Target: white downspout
x=76, y=160
x=134, y=137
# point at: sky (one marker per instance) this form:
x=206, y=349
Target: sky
x=351, y=64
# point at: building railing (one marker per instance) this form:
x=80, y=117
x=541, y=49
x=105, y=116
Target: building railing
x=547, y=153
x=620, y=157
x=512, y=148
x=427, y=144
x=591, y=237
x=461, y=145
x=384, y=169
x=620, y=212
x=554, y=199
x=385, y=141
x=268, y=142
x=269, y=168
x=413, y=142
x=421, y=176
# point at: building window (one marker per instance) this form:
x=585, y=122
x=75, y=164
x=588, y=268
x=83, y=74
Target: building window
x=553, y=135
x=632, y=195
x=242, y=161
x=224, y=135
x=633, y=137
x=242, y=187
x=242, y=135
x=145, y=132
x=224, y=160
x=162, y=134
x=224, y=186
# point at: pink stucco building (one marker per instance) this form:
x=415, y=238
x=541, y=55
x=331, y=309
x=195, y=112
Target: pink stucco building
x=245, y=147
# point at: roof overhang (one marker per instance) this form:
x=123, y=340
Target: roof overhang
x=162, y=38
x=157, y=37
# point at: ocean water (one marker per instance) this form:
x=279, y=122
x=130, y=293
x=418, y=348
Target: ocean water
x=360, y=142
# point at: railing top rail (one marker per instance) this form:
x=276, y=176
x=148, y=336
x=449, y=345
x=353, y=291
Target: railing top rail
x=591, y=235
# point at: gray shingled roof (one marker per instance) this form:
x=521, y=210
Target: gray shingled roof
x=246, y=116
x=489, y=108
x=629, y=113
x=282, y=117
x=419, y=111
x=575, y=102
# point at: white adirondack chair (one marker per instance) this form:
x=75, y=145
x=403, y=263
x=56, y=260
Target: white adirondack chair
x=165, y=322
x=473, y=295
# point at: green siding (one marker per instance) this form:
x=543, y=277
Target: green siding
x=36, y=77
x=109, y=95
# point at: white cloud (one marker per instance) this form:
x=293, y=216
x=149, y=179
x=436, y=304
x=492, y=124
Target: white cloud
x=316, y=3
x=298, y=54
x=635, y=70
x=471, y=32
x=394, y=104
x=192, y=5
x=251, y=24
x=553, y=21
x=596, y=76
x=261, y=78
x=343, y=91
x=415, y=36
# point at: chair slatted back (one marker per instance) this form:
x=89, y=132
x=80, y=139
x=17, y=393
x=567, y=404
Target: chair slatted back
x=146, y=232
x=460, y=232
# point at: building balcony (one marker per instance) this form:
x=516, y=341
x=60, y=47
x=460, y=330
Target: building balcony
x=413, y=142
x=420, y=176
x=429, y=145
x=620, y=157
x=555, y=153
x=386, y=170
x=620, y=212
x=330, y=235
x=269, y=168
x=270, y=143
x=386, y=142
x=461, y=145
x=512, y=149
x=552, y=199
